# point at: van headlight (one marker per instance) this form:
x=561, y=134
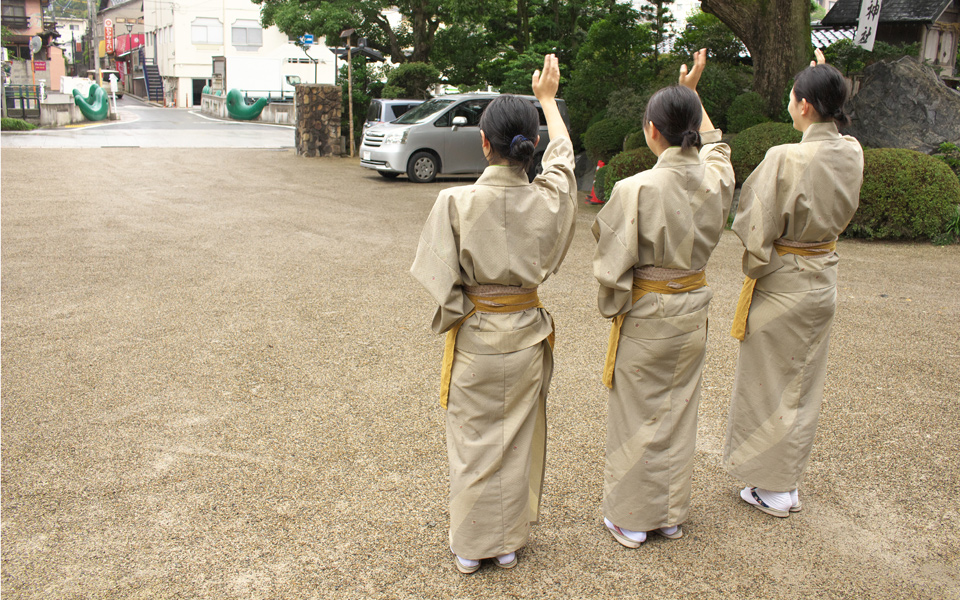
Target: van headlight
x=396, y=137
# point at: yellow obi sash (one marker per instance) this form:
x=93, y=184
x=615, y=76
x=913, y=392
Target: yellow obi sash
x=486, y=304
x=642, y=287
x=739, y=328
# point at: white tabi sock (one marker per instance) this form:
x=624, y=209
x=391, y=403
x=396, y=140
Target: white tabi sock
x=775, y=500
x=637, y=536
x=669, y=530
x=505, y=559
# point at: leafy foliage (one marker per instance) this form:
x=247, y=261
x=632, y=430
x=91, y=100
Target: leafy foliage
x=604, y=139
x=634, y=140
x=751, y=145
x=950, y=154
x=15, y=125
x=411, y=80
x=707, y=31
x=745, y=111
x=612, y=58
x=627, y=164
x=905, y=195
x=600, y=182
x=850, y=58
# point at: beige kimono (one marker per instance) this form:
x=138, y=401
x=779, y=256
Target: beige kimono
x=500, y=236
x=801, y=195
x=659, y=225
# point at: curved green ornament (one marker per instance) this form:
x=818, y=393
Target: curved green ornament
x=95, y=106
x=206, y=89
x=239, y=109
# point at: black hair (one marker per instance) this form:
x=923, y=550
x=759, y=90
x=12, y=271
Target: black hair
x=511, y=125
x=677, y=115
x=824, y=88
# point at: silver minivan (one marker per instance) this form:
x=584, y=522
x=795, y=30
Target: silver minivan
x=440, y=136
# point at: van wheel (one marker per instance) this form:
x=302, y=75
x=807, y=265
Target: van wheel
x=422, y=167
x=388, y=174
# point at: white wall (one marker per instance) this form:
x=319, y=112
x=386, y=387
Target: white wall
x=181, y=60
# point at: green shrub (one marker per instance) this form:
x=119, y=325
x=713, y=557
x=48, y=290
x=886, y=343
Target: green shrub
x=634, y=140
x=745, y=111
x=600, y=181
x=751, y=145
x=15, y=125
x=626, y=164
x=604, y=139
x=411, y=80
x=905, y=195
x=950, y=154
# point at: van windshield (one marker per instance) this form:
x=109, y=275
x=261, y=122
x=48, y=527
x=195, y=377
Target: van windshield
x=424, y=111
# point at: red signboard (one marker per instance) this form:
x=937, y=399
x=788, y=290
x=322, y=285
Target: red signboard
x=39, y=65
x=108, y=35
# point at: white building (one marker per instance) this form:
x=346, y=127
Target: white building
x=184, y=36
x=71, y=34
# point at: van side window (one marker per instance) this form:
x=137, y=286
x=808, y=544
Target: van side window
x=373, y=113
x=399, y=109
x=471, y=109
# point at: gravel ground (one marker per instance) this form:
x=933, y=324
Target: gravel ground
x=219, y=381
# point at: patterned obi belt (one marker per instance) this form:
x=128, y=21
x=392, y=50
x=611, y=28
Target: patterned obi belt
x=649, y=280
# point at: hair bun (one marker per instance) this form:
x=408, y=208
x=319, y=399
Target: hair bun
x=691, y=138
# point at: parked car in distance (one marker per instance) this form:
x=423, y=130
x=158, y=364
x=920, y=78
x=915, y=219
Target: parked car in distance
x=105, y=76
x=385, y=110
x=440, y=136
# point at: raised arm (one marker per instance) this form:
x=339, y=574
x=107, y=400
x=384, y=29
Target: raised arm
x=545, y=84
x=692, y=78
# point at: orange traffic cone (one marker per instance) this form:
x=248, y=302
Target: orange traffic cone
x=592, y=199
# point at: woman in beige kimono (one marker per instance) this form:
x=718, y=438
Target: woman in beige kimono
x=654, y=237
x=483, y=252
x=791, y=210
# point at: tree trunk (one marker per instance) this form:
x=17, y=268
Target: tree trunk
x=524, y=41
x=777, y=34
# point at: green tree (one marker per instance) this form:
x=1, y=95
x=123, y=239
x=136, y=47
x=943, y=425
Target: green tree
x=613, y=57
x=707, y=31
x=411, y=80
x=657, y=14
x=328, y=18
x=777, y=34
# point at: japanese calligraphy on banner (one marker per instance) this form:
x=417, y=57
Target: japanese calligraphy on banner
x=867, y=24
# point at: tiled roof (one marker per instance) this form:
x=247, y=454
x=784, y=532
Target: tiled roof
x=822, y=38
x=846, y=12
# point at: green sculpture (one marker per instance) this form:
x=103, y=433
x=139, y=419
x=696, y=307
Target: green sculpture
x=95, y=106
x=238, y=108
x=206, y=89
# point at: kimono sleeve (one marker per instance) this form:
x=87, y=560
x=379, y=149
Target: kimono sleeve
x=617, y=236
x=557, y=176
x=718, y=170
x=755, y=223
x=437, y=264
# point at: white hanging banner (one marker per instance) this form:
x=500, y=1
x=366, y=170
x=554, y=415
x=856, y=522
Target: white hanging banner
x=867, y=24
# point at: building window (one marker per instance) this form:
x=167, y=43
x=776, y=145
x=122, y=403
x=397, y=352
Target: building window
x=247, y=33
x=206, y=31
x=15, y=14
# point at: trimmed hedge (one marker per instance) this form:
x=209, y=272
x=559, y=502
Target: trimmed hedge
x=626, y=164
x=634, y=140
x=745, y=111
x=599, y=182
x=15, y=125
x=751, y=145
x=905, y=195
x=604, y=139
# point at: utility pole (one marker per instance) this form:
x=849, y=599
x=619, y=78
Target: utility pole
x=94, y=40
x=346, y=34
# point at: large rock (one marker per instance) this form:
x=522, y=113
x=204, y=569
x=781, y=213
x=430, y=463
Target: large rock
x=904, y=104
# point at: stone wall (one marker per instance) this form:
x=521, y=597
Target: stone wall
x=318, y=120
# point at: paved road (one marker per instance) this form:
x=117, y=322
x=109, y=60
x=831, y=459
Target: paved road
x=146, y=126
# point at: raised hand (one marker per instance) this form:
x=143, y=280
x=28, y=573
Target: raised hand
x=820, y=58
x=546, y=82
x=692, y=78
